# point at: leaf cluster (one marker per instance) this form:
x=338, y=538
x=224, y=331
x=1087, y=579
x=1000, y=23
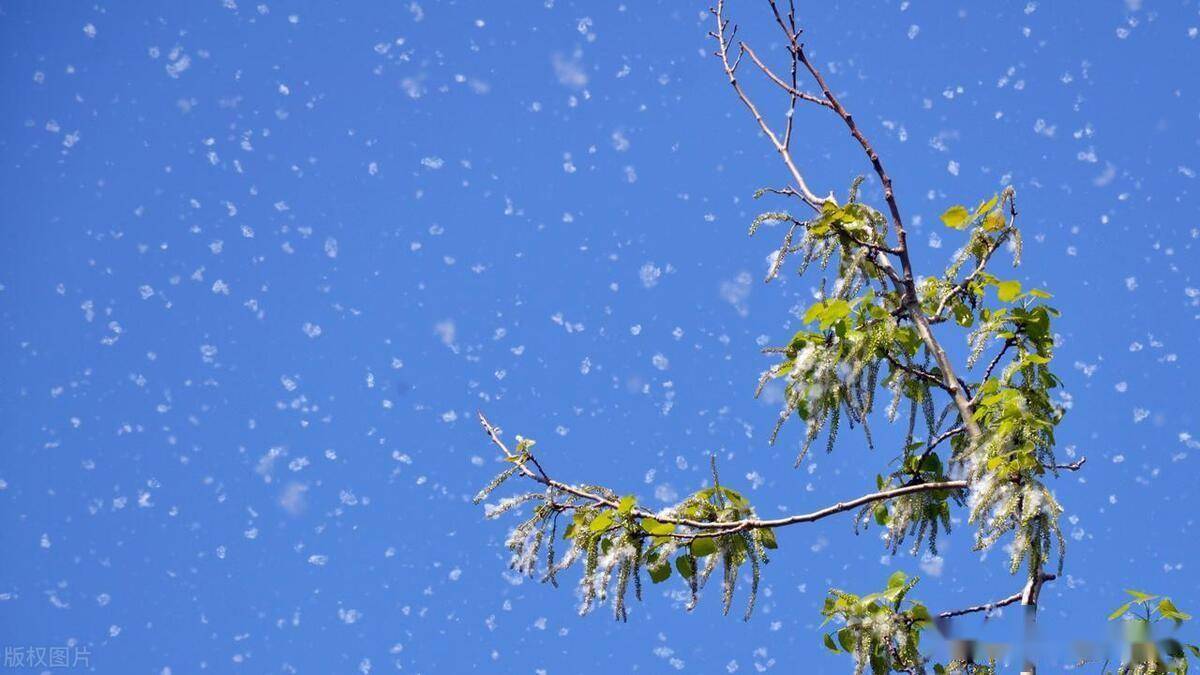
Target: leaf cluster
x=881, y=631
x=920, y=515
x=1147, y=655
x=615, y=540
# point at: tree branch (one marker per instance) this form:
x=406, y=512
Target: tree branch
x=1010, y=600
x=916, y=372
x=802, y=95
x=906, y=286
x=995, y=361
x=944, y=436
x=888, y=192
x=1073, y=466
x=707, y=528
x=724, y=40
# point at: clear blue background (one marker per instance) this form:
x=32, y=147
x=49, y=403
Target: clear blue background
x=263, y=262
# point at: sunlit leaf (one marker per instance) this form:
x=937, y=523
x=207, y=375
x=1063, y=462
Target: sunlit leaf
x=1120, y=611
x=601, y=522
x=956, y=217
x=1008, y=290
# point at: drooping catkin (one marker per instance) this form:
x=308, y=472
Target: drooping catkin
x=755, y=573
x=728, y=580
x=495, y=483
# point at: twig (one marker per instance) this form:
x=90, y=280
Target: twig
x=802, y=95
x=961, y=286
x=992, y=366
x=797, y=48
x=916, y=372
x=783, y=191
x=724, y=39
x=1073, y=466
x=944, y=436
x=1010, y=600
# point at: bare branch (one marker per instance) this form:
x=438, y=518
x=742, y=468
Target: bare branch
x=916, y=372
x=797, y=49
x=724, y=40
x=877, y=164
x=945, y=436
x=1073, y=466
x=1010, y=600
x=791, y=89
x=995, y=361
x=792, y=99
x=783, y=191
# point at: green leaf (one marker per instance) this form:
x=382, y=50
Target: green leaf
x=684, y=565
x=897, y=579
x=846, y=639
x=813, y=312
x=1120, y=611
x=920, y=613
x=1169, y=611
x=703, y=546
x=932, y=464
x=1173, y=648
x=656, y=528
x=1140, y=596
x=626, y=504
x=908, y=339
x=962, y=315
x=1008, y=290
x=829, y=644
x=881, y=515
x=660, y=572
x=834, y=310
x=1039, y=293
x=984, y=207
x=768, y=538
x=735, y=497
x=827, y=312
x=601, y=522
x=956, y=217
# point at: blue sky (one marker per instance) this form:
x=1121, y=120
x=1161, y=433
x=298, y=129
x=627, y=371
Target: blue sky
x=265, y=261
